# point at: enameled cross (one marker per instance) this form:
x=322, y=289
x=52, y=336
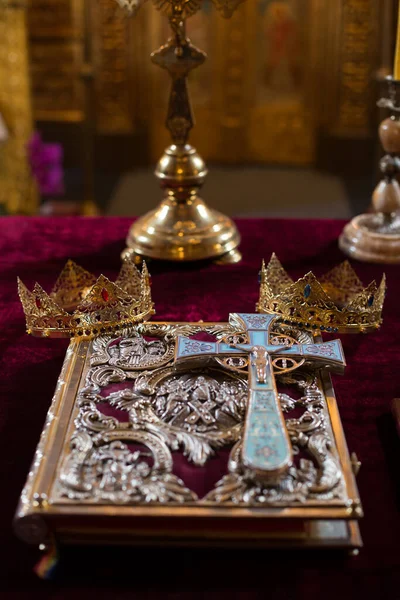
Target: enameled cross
x=266, y=445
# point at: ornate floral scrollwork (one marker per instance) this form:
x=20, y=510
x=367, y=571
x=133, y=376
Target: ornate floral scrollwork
x=107, y=469
x=93, y=420
x=104, y=375
x=197, y=411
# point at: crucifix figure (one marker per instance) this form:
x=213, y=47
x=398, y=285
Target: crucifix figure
x=266, y=446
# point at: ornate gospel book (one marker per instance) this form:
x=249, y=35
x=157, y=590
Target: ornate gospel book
x=180, y=432
x=196, y=433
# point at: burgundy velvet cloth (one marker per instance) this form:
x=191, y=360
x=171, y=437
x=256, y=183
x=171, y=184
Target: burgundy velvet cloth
x=36, y=249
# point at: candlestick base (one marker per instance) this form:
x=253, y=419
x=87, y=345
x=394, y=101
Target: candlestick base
x=182, y=227
x=372, y=238
x=375, y=237
x=184, y=232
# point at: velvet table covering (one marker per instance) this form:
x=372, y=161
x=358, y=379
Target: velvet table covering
x=37, y=249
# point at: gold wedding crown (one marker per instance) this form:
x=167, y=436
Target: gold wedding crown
x=82, y=306
x=337, y=302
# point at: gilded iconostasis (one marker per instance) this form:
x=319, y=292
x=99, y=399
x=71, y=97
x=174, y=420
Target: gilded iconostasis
x=279, y=70
x=286, y=80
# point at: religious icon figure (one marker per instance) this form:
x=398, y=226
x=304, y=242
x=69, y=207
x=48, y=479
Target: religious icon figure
x=282, y=44
x=135, y=351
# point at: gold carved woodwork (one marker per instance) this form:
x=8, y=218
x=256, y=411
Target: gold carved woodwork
x=57, y=53
x=349, y=99
x=359, y=32
x=114, y=69
x=281, y=72
x=17, y=189
x=263, y=106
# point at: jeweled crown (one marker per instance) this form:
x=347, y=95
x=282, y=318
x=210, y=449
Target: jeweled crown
x=82, y=306
x=337, y=302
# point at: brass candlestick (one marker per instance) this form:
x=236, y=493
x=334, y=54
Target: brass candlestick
x=182, y=227
x=375, y=237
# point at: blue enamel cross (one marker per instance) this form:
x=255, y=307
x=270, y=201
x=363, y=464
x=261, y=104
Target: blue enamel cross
x=266, y=445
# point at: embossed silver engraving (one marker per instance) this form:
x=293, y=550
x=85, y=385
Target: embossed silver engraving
x=134, y=410
x=107, y=469
x=132, y=353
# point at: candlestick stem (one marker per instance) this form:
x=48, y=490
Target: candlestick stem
x=183, y=227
